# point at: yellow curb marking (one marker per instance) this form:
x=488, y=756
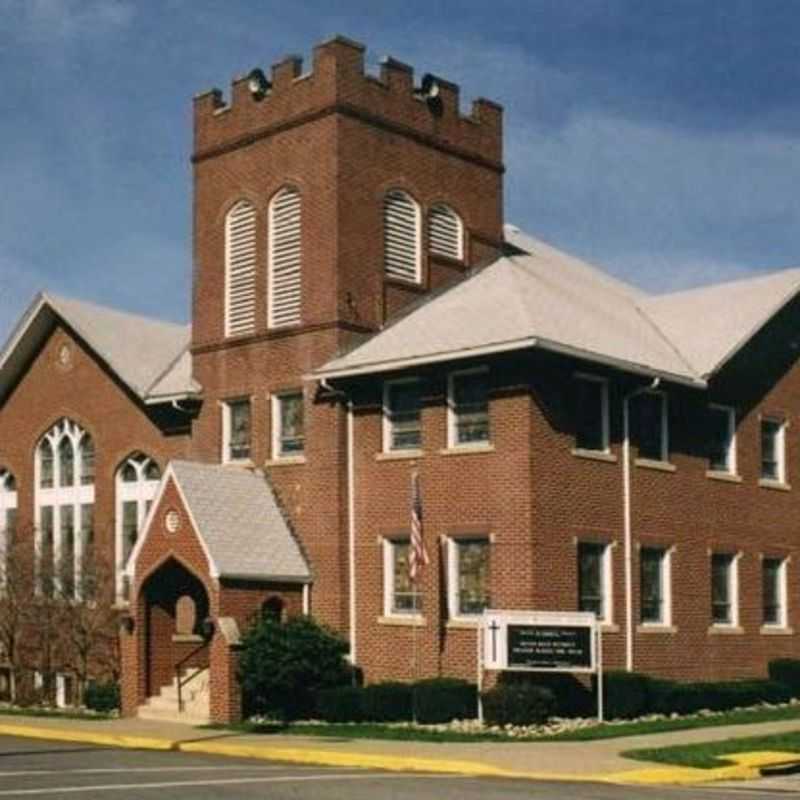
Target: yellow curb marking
x=93, y=737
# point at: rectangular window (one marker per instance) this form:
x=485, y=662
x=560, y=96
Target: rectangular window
x=721, y=439
x=67, y=550
x=723, y=589
x=236, y=430
x=130, y=528
x=469, y=407
x=468, y=577
x=650, y=425
x=46, y=554
x=287, y=425
x=591, y=413
x=772, y=450
x=773, y=577
x=655, y=580
x=594, y=579
x=401, y=596
x=401, y=414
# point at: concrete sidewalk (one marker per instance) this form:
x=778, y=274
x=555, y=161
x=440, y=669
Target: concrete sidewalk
x=576, y=761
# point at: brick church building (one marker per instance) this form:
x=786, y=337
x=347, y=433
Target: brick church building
x=360, y=312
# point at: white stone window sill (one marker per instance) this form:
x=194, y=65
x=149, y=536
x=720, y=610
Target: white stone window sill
x=399, y=455
x=767, y=483
x=719, y=475
x=238, y=462
x=726, y=630
x=594, y=455
x=186, y=638
x=655, y=627
x=776, y=630
x=467, y=449
x=649, y=463
x=463, y=623
x=285, y=461
x=609, y=627
x=407, y=621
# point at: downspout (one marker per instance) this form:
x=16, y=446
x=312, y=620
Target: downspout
x=626, y=518
x=351, y=528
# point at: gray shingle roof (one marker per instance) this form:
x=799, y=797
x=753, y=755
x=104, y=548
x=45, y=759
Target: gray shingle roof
x=544, y=298
x=147, y=355
x=239, y=520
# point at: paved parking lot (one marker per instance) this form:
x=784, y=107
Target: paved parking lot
x=31, y=768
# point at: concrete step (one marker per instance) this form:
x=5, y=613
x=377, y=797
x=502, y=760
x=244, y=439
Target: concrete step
x=172, y=715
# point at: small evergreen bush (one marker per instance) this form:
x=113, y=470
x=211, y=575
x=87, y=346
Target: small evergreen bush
x=787, y=672
x=518, y=704
x=102, y=697
x=341, y=704
x=387, y=702
x=439, y=700
x=625, y=694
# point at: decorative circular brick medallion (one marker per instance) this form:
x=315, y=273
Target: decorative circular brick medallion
x=172, y=521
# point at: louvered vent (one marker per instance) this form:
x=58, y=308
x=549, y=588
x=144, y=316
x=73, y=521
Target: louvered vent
x=445, y=232
x=401, y=236
x=240, y=269
x=283, y=306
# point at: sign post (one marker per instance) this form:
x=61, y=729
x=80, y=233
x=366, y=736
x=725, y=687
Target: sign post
x=542, y=641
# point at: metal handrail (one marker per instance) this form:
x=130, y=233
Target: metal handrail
x=181, y=683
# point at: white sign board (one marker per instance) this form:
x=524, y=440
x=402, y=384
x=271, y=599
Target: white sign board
x=540, y=641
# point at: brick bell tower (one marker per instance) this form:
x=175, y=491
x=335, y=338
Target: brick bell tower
x=294, y=181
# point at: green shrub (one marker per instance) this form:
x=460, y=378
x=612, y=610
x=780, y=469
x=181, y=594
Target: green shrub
x=387, y=702
x=518, y=704
x=340, y=704
x=284, y=664
x=625, y=694
x=438, y=700
x=102, y=696
x=787, y=672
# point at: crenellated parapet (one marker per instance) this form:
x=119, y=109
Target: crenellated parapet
x=338, y=83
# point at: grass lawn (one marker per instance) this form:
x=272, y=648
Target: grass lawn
x=708, y=755
x=54, y=713
x=608, y=731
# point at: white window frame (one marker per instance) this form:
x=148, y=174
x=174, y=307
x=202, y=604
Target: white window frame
x=387, y=418
x=417, y=279
x=453, y=583
x=388, y=545
x=666, y=587
x=782, y=593
x=604, y=410
x=242, y=202
x=275, y=411
x=733, y=589
x=226, y=430
x=460, y=232
x=664, y=454
x=731, y=412
x=452, y=418
x=780, y=447
x=8, y=502
x=59, y=497
x=606, y=574
x=272, y=322
x=142, y=492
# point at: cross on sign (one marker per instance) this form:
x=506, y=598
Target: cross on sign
x=494, y=627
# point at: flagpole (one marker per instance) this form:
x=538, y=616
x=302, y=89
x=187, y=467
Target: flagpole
x=417, y=558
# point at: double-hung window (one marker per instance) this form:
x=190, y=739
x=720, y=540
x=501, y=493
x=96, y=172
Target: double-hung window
x=654, y=568
x=401, y=595
x=724, y=589
x=468, y=407
x=650, y=426
x=402, y=429
x=288, y=425
x=773, y=445
x=591, y=413
x=594, y=579
x=468, y=577
x=721, y=439
x=236, y=430
x=773, y=583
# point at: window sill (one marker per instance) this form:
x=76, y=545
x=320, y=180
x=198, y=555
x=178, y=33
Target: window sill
x=186, y=638
x=655, y=627
x=649, y=463
x=717, y=475
x=399, y=455
x=466, y=449
x=609, y=627
x=766, y=483
x=285, y=461
x=463, y=623
x=594, y=455
x=237, y=462
x=726, y=630
x=407, y=621
x=776, y=630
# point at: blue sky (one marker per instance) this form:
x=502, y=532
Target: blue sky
x=658, y=139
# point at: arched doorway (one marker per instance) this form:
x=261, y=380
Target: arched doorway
x=175, y=606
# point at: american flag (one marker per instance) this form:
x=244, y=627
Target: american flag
x=418, y=556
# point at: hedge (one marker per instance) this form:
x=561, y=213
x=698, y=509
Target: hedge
x=440, y=700
x=518, y=704
x=102, y=696
x=787, y=672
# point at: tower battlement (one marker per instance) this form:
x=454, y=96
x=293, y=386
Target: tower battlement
x=338, y=83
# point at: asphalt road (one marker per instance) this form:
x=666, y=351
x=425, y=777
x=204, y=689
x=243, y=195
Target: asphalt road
x=31, y=768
